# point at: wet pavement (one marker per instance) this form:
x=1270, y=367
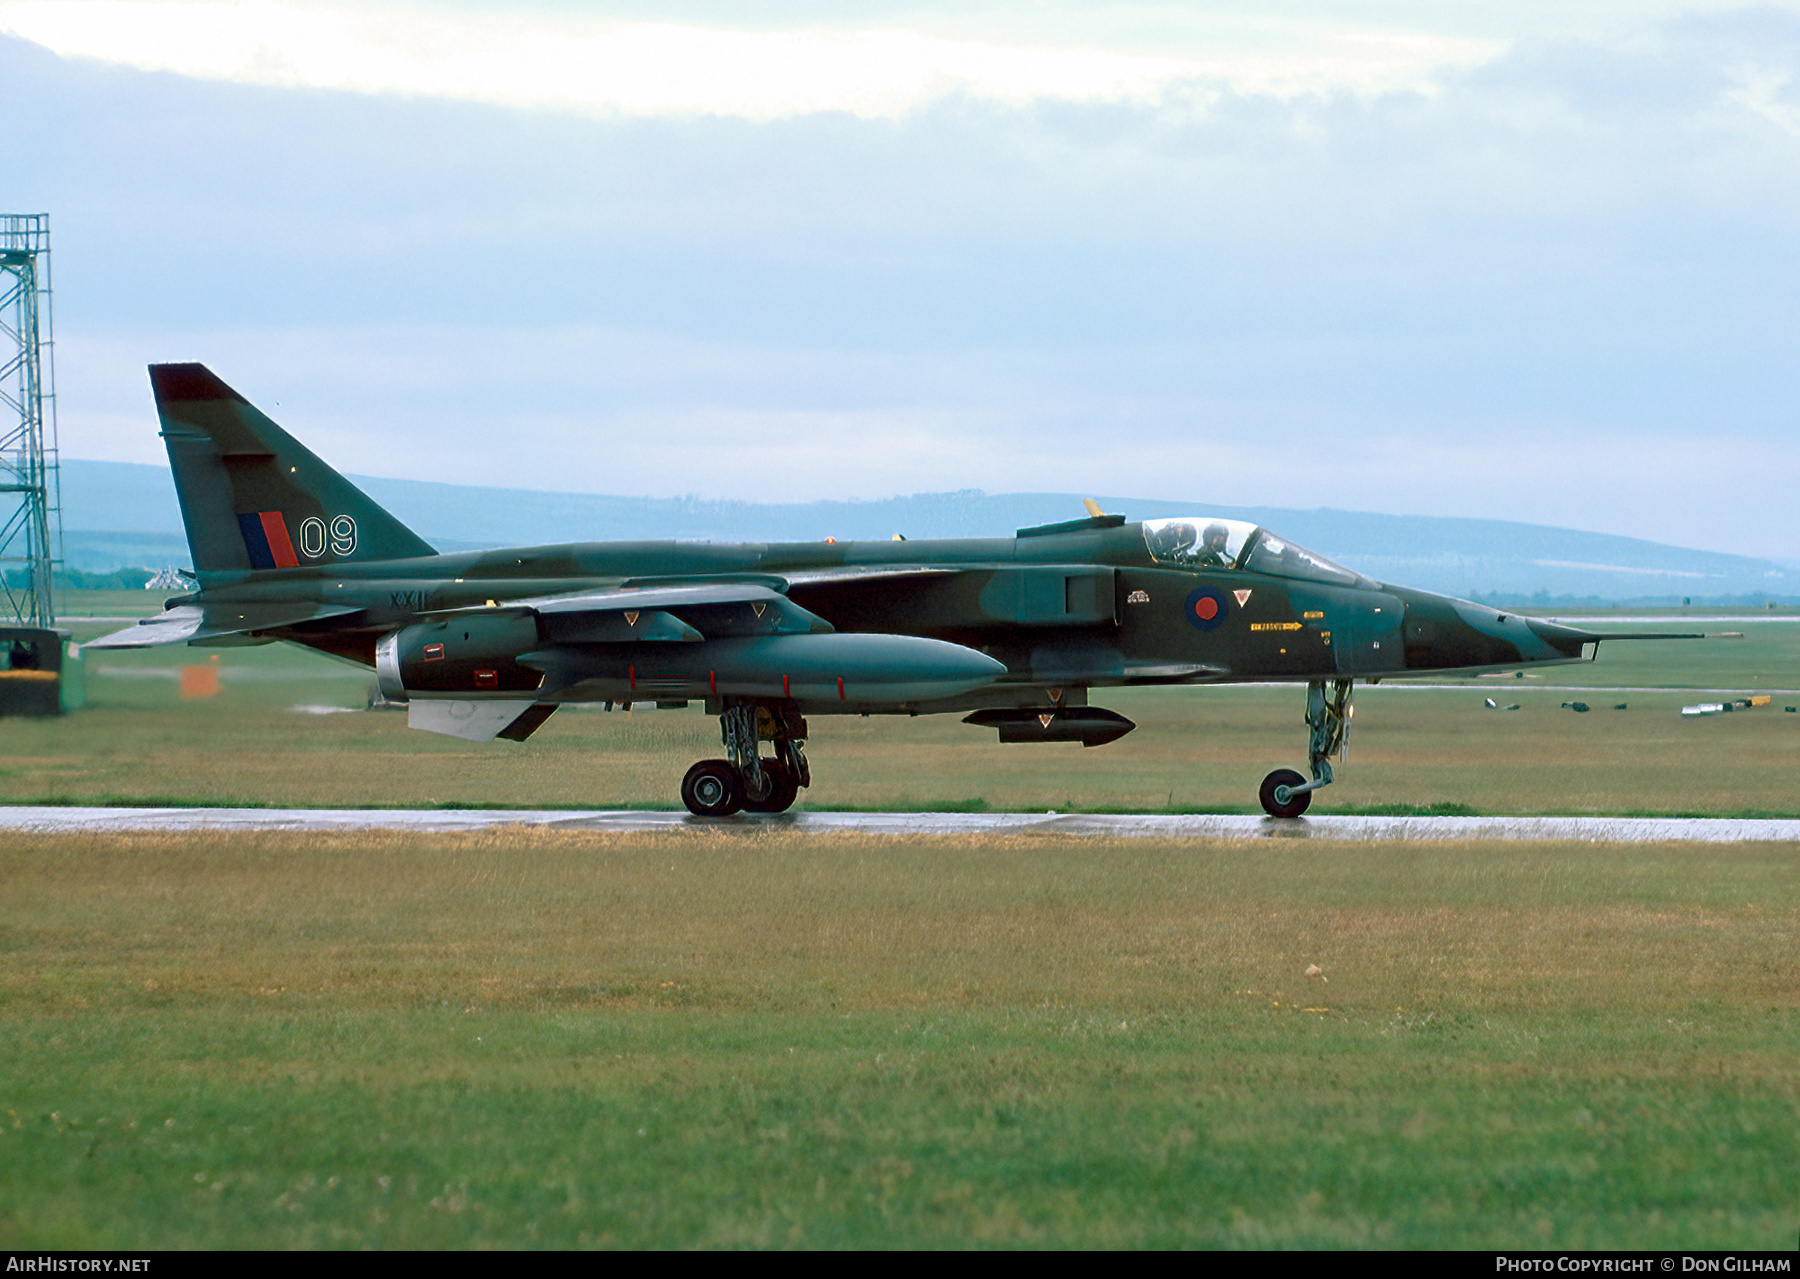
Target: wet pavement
x=1591, y=829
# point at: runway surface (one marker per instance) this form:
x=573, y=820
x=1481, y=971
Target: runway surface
x=1591, y=829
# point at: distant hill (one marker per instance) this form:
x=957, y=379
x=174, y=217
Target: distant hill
x=118, y=514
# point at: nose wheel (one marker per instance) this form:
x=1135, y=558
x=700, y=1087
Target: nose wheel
x=1284, y=792
x=1281, y=796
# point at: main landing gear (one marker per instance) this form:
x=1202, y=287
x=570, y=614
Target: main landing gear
x=746, y=781
x=1284, y=792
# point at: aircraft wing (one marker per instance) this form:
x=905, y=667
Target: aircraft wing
x=844, y=573
x=664, y=614
x=829, y=575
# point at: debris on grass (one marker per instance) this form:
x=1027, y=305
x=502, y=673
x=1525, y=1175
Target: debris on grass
x=1721, y=708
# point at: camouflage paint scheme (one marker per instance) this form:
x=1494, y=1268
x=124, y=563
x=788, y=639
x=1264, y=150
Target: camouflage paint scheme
x=1019, y=629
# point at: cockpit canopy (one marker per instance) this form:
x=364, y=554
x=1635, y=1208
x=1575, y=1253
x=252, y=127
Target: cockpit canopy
x=1204, y=541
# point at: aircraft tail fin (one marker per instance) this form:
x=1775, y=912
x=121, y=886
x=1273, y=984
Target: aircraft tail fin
x=252, y=496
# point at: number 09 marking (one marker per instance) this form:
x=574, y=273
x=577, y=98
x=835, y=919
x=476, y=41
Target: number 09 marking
x=315, y=536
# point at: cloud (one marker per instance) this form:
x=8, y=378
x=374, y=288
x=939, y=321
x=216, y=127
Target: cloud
x=635, y=68
x=1560, y=286
x=591, y=409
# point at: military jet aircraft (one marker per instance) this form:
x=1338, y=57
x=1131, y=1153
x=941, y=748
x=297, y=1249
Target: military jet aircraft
x=1015, y=631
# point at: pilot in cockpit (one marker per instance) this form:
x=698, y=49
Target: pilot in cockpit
x=1173, y=541
x=1212, y=553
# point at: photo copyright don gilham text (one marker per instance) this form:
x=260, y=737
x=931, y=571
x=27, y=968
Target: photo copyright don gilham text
x=1656, y=1264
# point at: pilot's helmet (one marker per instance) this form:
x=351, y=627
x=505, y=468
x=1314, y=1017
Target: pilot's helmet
x=1172, y=539
x=1216, y=537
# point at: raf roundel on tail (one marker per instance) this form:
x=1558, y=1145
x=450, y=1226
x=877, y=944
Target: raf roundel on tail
x=1015, y=632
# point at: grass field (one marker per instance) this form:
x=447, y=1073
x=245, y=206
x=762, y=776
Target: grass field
x=741, y=1037
x=1196, y=749
x=744, y=1038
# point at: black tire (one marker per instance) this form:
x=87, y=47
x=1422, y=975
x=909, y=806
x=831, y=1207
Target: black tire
x=1295, y=805
x=712, y=789
x=784, y=787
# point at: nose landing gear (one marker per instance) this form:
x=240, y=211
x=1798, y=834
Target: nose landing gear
x=1284, y=792
x=746, y=781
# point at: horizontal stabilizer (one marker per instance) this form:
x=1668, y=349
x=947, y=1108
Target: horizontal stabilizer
x=175, y=626
x=477, y=721
x=243, y=619
x=191, y=624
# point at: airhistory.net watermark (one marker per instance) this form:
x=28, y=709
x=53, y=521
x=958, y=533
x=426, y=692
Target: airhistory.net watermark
x=44, y=1265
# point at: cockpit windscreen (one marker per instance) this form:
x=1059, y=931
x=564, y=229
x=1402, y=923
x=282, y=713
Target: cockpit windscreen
x=1197, y=541
x=1279, y=558
x=1201, y=541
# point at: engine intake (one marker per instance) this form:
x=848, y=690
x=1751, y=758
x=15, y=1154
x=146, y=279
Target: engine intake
x=466, y=656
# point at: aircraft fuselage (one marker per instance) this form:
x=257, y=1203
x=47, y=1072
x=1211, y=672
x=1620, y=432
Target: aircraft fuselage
x=1017, y=630
x=1063, y=611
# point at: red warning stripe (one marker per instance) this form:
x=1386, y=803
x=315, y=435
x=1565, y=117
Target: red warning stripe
x=281, y=546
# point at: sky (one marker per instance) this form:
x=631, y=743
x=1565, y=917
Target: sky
x=1522, y=261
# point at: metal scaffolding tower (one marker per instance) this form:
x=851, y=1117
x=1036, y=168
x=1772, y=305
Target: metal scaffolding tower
x=30, y=490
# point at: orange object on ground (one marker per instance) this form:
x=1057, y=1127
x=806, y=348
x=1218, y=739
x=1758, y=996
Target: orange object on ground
x=199, y=681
